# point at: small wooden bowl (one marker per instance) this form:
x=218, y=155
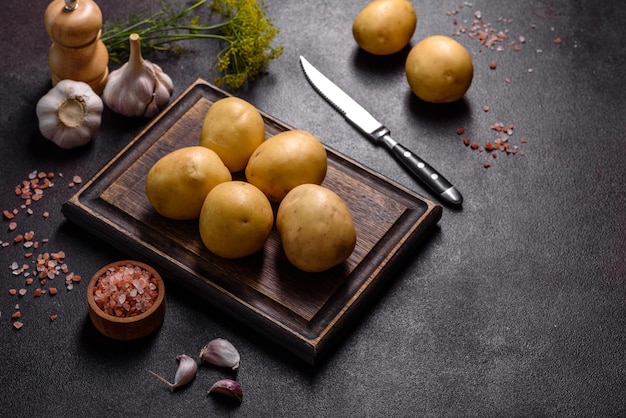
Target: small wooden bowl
x=131, y=328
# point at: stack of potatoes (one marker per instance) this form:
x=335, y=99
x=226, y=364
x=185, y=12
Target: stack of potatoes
x=314, y=224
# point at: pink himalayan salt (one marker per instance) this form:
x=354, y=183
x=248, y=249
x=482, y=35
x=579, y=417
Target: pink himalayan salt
x=125, y=291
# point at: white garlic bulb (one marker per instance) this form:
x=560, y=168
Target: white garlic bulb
x=139, y=87
x=69, y=113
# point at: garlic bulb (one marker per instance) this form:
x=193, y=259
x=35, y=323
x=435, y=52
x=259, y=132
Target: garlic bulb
x=139, y=87
x=69, y=113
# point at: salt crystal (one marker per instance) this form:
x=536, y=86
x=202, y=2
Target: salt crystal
x=131, y=295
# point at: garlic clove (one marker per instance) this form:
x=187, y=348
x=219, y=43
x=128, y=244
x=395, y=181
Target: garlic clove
x=162, y=92
x=227, y=388
x=139, y=87
x=222, y=353
x=185, y=373
x=69, y=114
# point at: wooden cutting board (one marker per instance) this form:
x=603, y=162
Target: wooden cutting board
x=306, y=313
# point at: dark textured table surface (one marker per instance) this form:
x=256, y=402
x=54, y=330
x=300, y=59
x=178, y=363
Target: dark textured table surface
x=515, y=305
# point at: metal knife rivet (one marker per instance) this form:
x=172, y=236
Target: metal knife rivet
x=434, y=176
x=420, y=165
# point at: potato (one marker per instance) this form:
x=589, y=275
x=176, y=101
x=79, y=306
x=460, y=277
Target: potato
x=287, y=160
x=315, y=228
x=233, y=128
x=384, y=27
x=439, y=69
x=236, y=219
x=178, y=182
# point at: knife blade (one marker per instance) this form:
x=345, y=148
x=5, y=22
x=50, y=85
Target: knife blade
x=360, y=118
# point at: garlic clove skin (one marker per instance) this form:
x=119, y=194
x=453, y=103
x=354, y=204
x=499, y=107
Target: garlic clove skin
x=228, y=388
x=185, y=373
x=139, y=87
x=69, y=114
x=222, y=353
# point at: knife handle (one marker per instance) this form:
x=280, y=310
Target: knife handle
x=423, y=171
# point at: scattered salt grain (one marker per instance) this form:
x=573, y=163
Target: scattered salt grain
x=43, y=266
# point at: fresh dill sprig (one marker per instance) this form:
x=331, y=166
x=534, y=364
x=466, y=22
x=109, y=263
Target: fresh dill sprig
x=244, y=29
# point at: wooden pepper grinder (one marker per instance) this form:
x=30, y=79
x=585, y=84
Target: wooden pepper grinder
x=77, y=52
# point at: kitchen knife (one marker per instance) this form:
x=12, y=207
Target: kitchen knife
x=379, y=134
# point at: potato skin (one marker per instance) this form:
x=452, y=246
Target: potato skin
x=287, y=160
x=439, y=69
x=178, y=182
x=236, y=219
x=233, y=128
x=315, y=228
x=384, y=27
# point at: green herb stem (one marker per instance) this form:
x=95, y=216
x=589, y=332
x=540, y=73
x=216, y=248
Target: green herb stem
x=244, y=28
